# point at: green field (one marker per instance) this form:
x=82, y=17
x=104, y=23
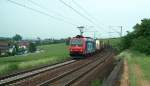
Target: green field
x=49, y=54
x=136, y=58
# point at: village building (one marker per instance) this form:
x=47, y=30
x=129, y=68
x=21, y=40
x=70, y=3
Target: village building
x=23, y=44
x=4, y=47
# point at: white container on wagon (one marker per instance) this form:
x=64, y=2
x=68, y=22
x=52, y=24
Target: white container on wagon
x=98, y=45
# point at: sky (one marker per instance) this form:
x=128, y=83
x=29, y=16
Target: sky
x=106, y=15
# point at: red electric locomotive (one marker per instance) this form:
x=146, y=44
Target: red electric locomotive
x=81, y=46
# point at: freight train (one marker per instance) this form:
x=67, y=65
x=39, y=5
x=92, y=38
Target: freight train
x=81, y=46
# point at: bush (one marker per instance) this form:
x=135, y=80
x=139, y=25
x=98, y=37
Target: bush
x=127, y=41
x=141, y=44
x=32, y=47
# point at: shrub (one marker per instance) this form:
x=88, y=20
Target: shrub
x=32, y=47
x=126, y=41
x=141, y=44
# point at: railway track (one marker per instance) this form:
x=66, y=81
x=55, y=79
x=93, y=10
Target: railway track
x=22, y=75
x=99, y=72
x=58, y=74
x=55, y=72
x=25, y=71
x=70, y=77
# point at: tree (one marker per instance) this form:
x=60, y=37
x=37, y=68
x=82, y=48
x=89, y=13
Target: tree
x=32, y=47
x=68, y=40
x=38, y=41
x=142, y=29
x=126, y=41
x=17, y=37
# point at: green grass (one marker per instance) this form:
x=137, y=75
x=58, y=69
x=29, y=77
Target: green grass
x=96, y=82
x=142, y=60
x=51, y=54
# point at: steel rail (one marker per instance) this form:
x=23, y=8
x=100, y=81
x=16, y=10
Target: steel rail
x=20, y=76
x=98, y=61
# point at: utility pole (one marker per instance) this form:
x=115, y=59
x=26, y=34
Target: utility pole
x=94, y=33
x=121, y=30
x=81, y=29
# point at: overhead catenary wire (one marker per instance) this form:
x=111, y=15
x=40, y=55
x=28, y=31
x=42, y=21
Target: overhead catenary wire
x=41, y=12
x=48, y=10
x=86, y=12
x=82, y=15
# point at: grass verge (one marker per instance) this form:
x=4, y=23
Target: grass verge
x=142, y=60
x=96, y=82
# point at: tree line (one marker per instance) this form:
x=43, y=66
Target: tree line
x=139, y=38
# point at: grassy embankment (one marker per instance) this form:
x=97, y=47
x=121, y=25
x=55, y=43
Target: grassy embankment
x=142, y=61
x=51, y=54
x=134, y=58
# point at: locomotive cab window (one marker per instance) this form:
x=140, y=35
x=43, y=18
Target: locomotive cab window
x=76, y=42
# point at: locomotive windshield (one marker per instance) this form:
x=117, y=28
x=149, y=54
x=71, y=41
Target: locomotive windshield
x=75, y=42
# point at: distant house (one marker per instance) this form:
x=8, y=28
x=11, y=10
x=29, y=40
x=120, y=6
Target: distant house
x=4, y=47
x=23, y=44
x=23, y=47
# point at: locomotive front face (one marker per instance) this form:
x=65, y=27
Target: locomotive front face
x=76, y=46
